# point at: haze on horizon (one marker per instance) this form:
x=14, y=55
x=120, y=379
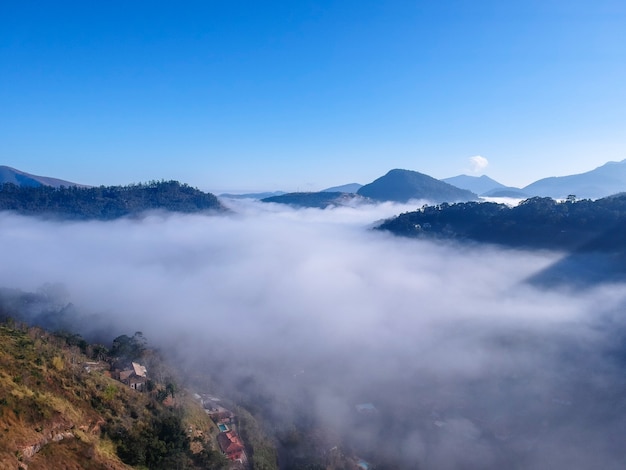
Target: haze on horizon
x=308, y=312
x=307, y=95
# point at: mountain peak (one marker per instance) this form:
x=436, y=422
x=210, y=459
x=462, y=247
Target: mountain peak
x=403, y=185
x=477, y=184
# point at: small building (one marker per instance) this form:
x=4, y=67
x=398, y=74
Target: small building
x=231, y=445
x=136, y=377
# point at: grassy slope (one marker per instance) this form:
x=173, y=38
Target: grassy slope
x=53, y=412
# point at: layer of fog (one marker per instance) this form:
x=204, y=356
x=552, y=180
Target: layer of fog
x=509, y=201
x=306, y=313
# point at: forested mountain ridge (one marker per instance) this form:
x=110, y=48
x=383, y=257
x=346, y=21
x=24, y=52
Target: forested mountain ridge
x=106, y=202
x=538, y=222
x=321, y=200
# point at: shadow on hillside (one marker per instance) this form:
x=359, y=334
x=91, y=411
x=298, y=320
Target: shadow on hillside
x=582, y=270
x=598, y=261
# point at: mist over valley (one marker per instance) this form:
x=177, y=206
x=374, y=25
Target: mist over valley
x=409, y=353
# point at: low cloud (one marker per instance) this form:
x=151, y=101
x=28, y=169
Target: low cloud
x=478, y=164
x=306, y=313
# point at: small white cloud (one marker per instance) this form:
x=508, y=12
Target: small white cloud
x=478, y=163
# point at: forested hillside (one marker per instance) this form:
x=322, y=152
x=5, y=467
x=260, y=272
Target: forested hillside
x=105, y=202
x=320, y=200
x=538, y=222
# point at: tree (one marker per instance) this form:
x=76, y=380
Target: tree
x=171, y=388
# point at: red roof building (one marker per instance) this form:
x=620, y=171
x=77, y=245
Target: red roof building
x=231, y=445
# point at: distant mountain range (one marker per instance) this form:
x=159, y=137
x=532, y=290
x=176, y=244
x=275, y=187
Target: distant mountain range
x=600, y=182
x=252, y=195
x=404, y=185
x=475, y=184
x=21, y=178
x=401, y=185
x=603, y=181
x=485, y=186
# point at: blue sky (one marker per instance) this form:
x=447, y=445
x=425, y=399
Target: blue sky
x=301, y=95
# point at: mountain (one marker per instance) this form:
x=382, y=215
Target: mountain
x=21, y=178
x=475, y=184
x=344, y=188
x=252, y=195
x=404, y=185
x=319, y=200
x=106, y=203
x=603, y=181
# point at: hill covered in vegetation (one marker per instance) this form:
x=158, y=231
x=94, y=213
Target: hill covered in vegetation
x=60, y=408
x=539, y=222
x=320, y=200
x=105, y=202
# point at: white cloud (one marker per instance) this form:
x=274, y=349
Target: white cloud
x=478, y=164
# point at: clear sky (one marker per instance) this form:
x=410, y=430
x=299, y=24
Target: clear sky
x=301, y=95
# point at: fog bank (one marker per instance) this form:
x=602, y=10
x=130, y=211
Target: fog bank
x=306, y=313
